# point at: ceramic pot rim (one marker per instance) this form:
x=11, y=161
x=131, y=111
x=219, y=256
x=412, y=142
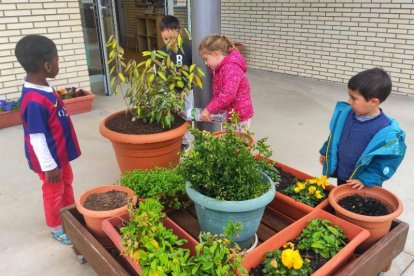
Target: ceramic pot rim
x=232, y=206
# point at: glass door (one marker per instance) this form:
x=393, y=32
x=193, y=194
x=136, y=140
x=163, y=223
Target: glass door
x=107, y=26
x=92, y=46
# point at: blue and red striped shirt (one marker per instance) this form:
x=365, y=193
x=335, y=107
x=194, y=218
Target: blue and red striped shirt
x=42, y=111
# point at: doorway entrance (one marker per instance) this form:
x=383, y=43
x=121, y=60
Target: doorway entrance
x=136, y=25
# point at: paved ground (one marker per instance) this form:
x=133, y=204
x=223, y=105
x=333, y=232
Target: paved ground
x=292, y=112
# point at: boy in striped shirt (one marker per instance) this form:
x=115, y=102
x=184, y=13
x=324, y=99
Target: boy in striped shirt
x=49, y=137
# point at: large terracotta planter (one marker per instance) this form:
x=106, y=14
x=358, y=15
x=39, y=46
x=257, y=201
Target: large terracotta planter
x=145, y=151
x=93, y=219
x=10, y=118
x=79, y=104
x=289, y=208
x=213, y=214
x=355, y=234
x=111, y=225
x=378, y=226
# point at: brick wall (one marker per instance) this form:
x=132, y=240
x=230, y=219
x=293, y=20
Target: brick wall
x=325, y=39
x=57, y=19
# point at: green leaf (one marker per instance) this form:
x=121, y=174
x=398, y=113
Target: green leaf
x=121, y=76
x=162, y=76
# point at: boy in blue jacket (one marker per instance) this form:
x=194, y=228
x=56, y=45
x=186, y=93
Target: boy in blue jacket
x=365, y=147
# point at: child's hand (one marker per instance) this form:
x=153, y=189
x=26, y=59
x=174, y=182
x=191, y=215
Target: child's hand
x=205, y=115
x=53, y=176
x=322, y=159
x=355, y=183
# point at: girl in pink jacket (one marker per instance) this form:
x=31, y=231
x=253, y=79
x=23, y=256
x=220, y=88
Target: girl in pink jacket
x=231, y=89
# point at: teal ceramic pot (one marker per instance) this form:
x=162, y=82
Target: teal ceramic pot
x=213, y=214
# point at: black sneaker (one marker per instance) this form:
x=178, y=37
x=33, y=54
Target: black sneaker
x=185, y=147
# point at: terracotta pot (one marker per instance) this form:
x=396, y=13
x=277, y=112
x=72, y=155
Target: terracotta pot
x=80, y=104
x=93, y=219
x=247, y=140
x=111, y=225
x=378, y=226
x=10, y=118
x=289, y=208
x=145, y=151
x=355, y=234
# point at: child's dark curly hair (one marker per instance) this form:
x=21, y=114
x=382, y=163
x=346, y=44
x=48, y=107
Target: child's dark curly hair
x=33, y=50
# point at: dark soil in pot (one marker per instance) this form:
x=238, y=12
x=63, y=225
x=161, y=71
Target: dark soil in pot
x=106, y=201
x=122, y=123
x=366, y=206
x=286, y=180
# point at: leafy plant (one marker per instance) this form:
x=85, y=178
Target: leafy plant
x=311, y=191
x=70, y=92
x=217, y=255
x=323, y=237
x=162, y=183
x=222, y=167
x=156, y=248
x=157, y=86
x=269, y=169
x=287, y=261
x=9, y=105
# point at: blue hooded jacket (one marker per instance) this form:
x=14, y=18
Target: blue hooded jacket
x=380, y=159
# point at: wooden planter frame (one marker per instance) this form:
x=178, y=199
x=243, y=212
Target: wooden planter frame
x=376, y=259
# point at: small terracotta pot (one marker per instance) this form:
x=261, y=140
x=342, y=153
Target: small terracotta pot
x=145, y=151
x=355, y=235
x=93, y=219
x=378, y=226
x=111, y=225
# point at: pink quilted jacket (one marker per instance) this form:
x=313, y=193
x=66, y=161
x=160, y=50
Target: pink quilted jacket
x=231, y=89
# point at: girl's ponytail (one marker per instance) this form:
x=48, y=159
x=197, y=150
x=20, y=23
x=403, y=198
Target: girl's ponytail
x=230, y=43
x=212, y=43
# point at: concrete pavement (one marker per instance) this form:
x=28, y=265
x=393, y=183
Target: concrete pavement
x=292, y=112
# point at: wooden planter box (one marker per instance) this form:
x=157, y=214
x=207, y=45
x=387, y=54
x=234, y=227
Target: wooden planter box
x=10, y=118
x=80, y=104
x=374, y=260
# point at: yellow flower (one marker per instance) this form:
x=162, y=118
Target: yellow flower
x=273, y=263
x=299, y=187
x=313, y=180
x=311, y=190
x=291, y=258
x=322, y=182
x=318, y=194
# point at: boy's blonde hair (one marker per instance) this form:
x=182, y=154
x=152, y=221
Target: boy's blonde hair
x=212, y=43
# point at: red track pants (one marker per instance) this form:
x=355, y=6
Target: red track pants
x=57, y=195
